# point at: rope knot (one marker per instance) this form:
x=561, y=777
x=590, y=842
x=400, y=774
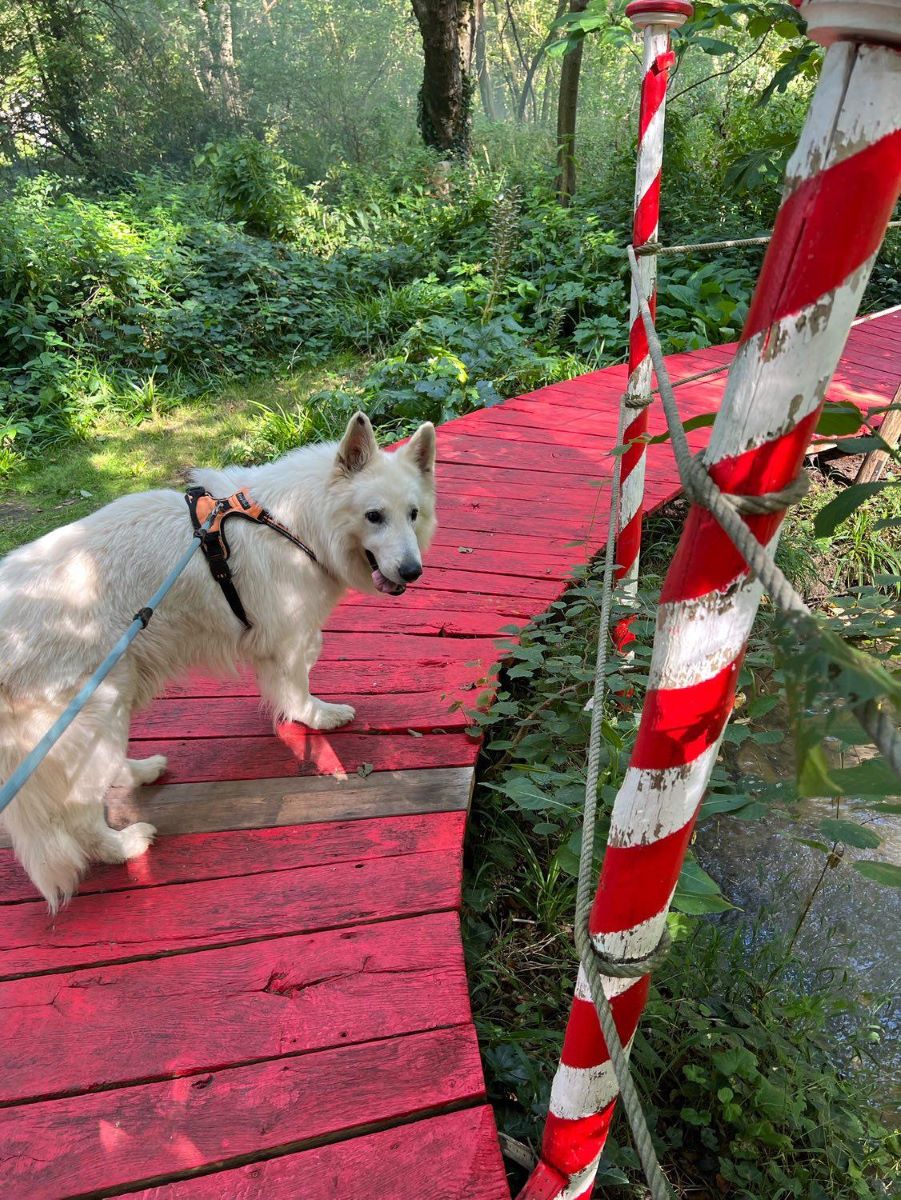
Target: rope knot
x=700, y=489
x=634, y=401
x=630, y=968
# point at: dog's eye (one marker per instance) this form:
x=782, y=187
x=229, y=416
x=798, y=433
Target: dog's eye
x=374, y=517
x=414, y=513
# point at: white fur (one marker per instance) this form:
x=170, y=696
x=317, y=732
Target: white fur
x=66, y=597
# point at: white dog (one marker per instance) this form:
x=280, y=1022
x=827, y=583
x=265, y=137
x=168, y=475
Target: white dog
x=366, y=514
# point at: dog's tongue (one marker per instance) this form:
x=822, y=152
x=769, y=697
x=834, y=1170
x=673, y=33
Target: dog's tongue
x=386, y=585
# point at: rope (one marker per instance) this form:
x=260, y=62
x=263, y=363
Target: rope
x=735, y=243
x=700, y=247
x=726, y=509
x=33, y=760
x=595, y=965
x=633, y=400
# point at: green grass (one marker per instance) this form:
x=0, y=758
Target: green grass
x=131, y=451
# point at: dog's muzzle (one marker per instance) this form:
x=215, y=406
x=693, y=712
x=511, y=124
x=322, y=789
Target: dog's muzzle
x=382, y=582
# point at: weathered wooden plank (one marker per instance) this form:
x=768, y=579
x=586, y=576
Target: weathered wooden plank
x=143, y=923
x=459, y=481
x=418, y=597
x=166, y=1017
x=431, y=621
x=561, y=511
x=237, y=716
x=445, y=675
x=450, y=1157
x=177, y=808
x=494, y=573
x=259, y=803
x=140, y=1134
x=479, y=516
x=354, y=647
x=503, y=541
x=300, y=751
x=195, y=856
x=457, y=447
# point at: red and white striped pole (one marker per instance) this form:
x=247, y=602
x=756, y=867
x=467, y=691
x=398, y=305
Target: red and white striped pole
x=656, y=18
x=842, y=184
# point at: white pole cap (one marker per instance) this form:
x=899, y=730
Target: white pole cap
x=875, y=21
x=669, y=13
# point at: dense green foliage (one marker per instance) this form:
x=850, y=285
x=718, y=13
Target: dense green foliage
x=745, y=1085
x=454, y=302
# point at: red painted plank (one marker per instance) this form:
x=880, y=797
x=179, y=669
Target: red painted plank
x=122, y=1138
x=553, y=461
x=388, y=647
x=481, y=518
x=491, y=472
x=298, y=751
x=219, y=912
x=167, y=1017
x=238, y=716
x=444, y=676
x=424, y=619
x=498, y=539
x=418, y=597
x=556, y=503
x=482, y=573
x=451, y=1157
x=196, y=856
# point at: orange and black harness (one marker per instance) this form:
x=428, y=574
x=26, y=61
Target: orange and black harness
x=202, y=507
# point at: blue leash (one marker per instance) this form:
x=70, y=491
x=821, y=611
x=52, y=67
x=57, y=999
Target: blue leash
x=30, y=764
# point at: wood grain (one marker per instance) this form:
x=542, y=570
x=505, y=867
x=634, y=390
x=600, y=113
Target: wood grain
x=166, y=1017
x=162, y=1129
x=452, y=1157
x=194, y=856
x=145, y=922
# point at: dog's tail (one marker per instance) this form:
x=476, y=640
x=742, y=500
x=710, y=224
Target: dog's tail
x=52, y=857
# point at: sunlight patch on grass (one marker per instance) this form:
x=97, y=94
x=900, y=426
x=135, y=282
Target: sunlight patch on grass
x=126, y=453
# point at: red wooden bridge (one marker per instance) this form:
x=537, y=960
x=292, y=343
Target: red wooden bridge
x=272, y=1001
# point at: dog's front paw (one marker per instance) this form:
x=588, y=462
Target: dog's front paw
x=136, y=838
x=318, y=714
x=148, y=770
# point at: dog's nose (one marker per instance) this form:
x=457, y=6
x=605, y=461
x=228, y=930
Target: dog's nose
x=409, y=571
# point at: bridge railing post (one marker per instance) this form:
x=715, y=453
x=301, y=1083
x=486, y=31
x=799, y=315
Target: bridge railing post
x=655, y=18
x=841, y=187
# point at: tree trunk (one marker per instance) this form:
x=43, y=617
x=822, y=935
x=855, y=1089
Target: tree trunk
x=566, y=116
x=446, y=92
x=528, y=86
x=217, y=54
x=486, y=91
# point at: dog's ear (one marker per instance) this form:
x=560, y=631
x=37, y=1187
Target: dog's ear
x=421, y=448
x=358, y=446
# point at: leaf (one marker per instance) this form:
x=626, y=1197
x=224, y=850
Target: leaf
x=715, y=804
x=715, y=46
x=814, y=845
x=365, y=769
x=838, y=418
x=695, y=879
x=845, y=503
x=871, y=778
x=699, y=906
x=814, y=780
x=850, y=834
x=862, y=445
x=885, y=873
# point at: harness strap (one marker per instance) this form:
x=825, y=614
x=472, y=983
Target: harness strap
x=214, y=544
